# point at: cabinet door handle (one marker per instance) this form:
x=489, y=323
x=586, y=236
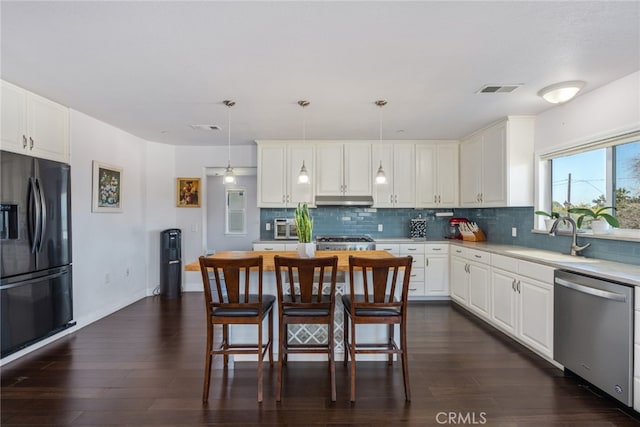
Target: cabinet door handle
x=439, y=199
x=481, y=197
x=411, y=249
x=436, y=249
x=396, y=198
x=390, y=198
x=30, y=143
x=513, y=285
x=435, y=199
x=426, y=260
x=24, y=141
x=518, y=286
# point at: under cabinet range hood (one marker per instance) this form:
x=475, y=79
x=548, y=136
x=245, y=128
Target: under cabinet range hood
x=344, y=200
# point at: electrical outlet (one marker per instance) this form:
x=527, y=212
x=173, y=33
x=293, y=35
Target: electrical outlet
x=380, y=227
x=267, y=226
x=514, y=232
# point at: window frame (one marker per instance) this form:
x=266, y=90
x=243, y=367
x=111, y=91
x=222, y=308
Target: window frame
x=544, y=181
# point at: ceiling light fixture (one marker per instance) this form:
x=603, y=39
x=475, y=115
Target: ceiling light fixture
x=561, y=92
x=229, y=177
x=303, y=176
x=381, y=178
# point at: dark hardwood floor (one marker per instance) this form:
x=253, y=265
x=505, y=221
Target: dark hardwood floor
x=144, y=366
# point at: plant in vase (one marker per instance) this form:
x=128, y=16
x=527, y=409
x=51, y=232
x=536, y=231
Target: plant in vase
x=304, y=226
x=551, y=217
x=600, y=220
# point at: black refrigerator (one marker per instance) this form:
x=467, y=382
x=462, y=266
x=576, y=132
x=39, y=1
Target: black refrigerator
x=35, y=248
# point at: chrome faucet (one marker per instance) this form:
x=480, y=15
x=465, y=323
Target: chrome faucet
x=574, y=234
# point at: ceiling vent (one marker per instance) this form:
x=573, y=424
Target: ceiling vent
x=205, y=127
x=498, y=88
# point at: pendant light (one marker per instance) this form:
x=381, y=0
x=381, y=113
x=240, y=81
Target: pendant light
x=381, y=178
x=229, y=177
x=303, y=176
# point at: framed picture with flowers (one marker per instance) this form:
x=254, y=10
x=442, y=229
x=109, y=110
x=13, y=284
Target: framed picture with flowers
x=106, y=193
x=188, y=192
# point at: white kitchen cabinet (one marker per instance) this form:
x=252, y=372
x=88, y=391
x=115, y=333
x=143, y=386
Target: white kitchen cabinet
x=437, y=175
x=279, y=164
x=470, y=284
x=343, y=169
x=34, y=125
x=398, y=162
x=522, y=306
x=270, y=246
x=416, y=283
x=436, y=270
x=496, y=164
x=392, y=248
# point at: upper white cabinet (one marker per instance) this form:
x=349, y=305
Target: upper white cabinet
x=343, y=168
x=34, y=125
x=398, y=162
x=437, y=175
x=496, y=164
x=279, y=165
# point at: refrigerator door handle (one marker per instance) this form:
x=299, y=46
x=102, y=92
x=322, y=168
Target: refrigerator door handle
x=43, y=215
x=35, y=226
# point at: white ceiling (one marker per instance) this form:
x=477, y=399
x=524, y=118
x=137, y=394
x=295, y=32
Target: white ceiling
x=153, y=68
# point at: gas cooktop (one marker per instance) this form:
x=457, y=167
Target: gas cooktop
x=345, y=243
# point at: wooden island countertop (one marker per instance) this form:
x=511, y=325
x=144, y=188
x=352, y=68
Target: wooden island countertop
x=267, y=257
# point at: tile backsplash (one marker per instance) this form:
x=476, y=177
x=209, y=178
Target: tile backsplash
x=495, y=222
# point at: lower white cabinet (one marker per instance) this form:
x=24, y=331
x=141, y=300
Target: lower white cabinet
x=470, y=279
x=436, y=270
x=522, y=305
x=416, y=284
x=275, y=246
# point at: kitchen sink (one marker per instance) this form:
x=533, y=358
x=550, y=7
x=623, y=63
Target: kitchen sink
x=550, y=256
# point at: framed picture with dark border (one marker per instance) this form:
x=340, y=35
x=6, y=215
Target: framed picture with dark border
x=106, y=195
x=188, y=192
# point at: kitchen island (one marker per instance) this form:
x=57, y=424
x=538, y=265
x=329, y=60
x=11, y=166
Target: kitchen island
x=305, y=333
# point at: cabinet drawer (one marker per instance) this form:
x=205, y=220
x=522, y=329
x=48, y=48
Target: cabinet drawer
x=417, y=275
x=539, y=272
x=416, y=289
x=418, y=261
x=411, y=249
x=504, y=262
x=392, y=248
x=479, y=256
x=442, y=248
x=268, y=247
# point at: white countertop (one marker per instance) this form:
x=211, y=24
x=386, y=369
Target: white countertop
x=609, y=270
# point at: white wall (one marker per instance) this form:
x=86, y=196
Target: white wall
x=607, y=111
x=106, y=244
x=160, y=205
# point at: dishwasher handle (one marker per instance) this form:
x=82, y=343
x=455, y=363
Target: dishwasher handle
x=591, y=291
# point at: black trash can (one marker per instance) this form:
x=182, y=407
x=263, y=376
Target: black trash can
x=171, y=263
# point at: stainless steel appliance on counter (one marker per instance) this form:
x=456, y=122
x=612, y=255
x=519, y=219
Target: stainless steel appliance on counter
x=345, y=243
x=35, y=251
x=285, y=229
x=593, y=332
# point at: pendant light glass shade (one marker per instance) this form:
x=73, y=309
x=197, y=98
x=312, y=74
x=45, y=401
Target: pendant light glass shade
x=229, y=177
x=381, y=177
x=303, y=176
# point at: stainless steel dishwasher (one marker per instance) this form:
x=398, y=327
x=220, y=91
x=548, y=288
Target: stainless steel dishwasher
x=593, y=332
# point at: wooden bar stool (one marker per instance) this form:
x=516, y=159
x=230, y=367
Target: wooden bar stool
x=235, y=305
x=378, y=304
x=308, y=301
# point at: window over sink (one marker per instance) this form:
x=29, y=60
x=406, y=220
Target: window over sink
x=596, y=175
